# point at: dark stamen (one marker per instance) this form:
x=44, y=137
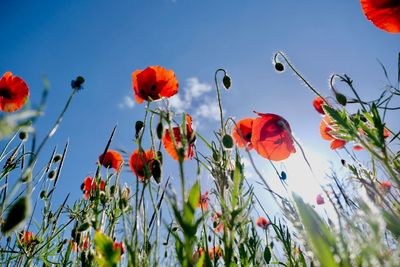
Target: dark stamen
x=153, y=87
x=5, y=93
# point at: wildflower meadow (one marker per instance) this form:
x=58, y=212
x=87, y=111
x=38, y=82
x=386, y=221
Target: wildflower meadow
x=189, y=193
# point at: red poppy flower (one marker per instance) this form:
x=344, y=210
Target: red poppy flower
x=243, y=127
x=271, y=137
x=357, y=147
x=27, y=238
x=154, y=83
x=190, y=139
x=111, y=159
x=89, y=186
x=139, y=161
x=320, y=199
x=386, y=185
x=384, y=14
x=120, y=246
x=318, y=103
x=262, y=222
x=197, y=254
x=203, y=201
x=14, y=92
x=325, y=128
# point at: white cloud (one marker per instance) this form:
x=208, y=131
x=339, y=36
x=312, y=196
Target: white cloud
x=127, y=102
x=208, y=110
x=194, y=99
x=191, y=91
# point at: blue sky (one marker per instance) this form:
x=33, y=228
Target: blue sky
x=106, y=41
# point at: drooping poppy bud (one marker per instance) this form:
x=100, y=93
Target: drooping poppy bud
x=227, y=81
x=279, y=67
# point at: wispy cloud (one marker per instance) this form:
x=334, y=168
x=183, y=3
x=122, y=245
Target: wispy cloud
x=126, y=102
x=195, y=99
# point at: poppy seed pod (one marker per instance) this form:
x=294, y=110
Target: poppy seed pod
x=279, y=67
x=227, y=81
x=227, y=141
x=77, y=83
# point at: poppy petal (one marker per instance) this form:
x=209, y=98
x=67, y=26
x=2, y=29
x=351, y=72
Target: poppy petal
x=384, y=14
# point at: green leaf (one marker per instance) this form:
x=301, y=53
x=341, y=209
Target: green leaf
x=106, y=255
x=322, y=240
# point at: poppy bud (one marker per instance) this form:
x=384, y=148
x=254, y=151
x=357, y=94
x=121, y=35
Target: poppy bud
x=174, y=229
x=83, y=227
x=57, y=158
x=23, y=136
x=341, y=99
x=279, y=67
x=227, y=81
x=283, y=176
x=51, y=175
x=227, y=141
x=77, y=83
x=209, y=237
x=159, y=130
x=43, y=194
x=17, y=214
x=215, y=156
x=138, y=128
x=112, y=189
x=156, y=170
x=343, y=162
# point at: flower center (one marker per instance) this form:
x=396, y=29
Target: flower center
x=5, y=93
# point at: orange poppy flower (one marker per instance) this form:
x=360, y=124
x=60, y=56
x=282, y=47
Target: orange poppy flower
x=218, y=225
x=271, y=137
x=154, y=83
x=111, y=159
x=243, y=127
x=139, y=161
x=203, y=201
x=215, y=252
x=325, y=128
x=384, y=14
x=262, y=222
x=318, y=103
x=14, y=92
x=89, y=186
x=190, y=139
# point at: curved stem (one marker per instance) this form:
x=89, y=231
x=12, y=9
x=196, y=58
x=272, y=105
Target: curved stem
x=297, y=73
x=219, y=98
